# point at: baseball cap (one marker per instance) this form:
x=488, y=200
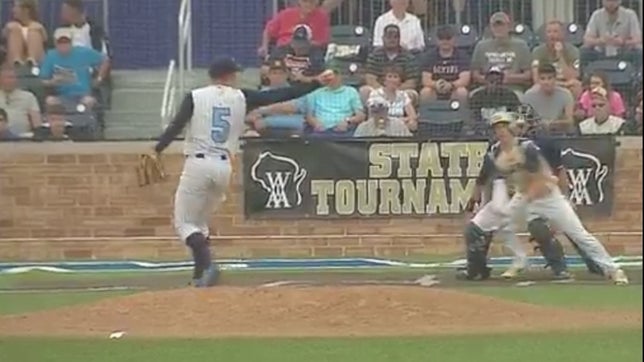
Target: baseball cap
x=223, y=66
x=600, y=92
x=377, y=105
x=276, y=64
x=494, y=70
x=301, y=35
x=502, y=117
x=499, y=17
x=391, y=28
x=63, y=33
x=445, y=32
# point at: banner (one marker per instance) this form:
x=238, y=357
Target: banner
x=297, y=178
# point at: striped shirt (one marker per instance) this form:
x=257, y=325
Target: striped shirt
x=379, y=59
x=393, y=128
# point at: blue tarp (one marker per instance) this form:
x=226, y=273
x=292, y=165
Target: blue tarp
x=268, y=264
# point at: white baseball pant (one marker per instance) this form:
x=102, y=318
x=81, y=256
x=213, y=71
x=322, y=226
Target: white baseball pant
x=494, y=217
x=557, y=210
x=202, y=189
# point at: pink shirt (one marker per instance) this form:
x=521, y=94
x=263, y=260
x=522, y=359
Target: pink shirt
x=615, y=102
x=281, y=26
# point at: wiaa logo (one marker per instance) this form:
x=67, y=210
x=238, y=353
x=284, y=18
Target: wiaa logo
x=586, y=174
x=281, y=178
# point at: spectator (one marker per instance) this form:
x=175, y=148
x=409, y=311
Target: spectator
x=493, y=98
x=85, y=32
x=21, y=106
x=509, y=54
x=391, y=54
x=412, y=37
x=380, y=124
x=602, y=122
x=277, y=74
x=562, y=55
x=446, y=73
x=26, y=37
x=280, y=119
x=633, y=127
x=56, y=127
x=600, y=80
x=334, y=110
x=398, y=103
x=5, y=132
x=554, y=104
x=280, y=28
x=304, y=62
x=67, y=69
x=613, y=30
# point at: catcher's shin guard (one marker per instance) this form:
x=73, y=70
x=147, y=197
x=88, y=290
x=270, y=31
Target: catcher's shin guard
x=548, y=245
x=592, y=267
x=477, y=246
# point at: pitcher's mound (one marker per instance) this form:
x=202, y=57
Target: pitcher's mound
x=315, y=311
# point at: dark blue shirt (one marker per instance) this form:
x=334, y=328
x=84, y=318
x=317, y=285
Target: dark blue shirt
x=532, y=150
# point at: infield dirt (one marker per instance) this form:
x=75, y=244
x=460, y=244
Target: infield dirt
x=306, y=311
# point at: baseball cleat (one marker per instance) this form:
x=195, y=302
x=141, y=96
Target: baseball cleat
x=563, y=276
x=209, y=278
x=619, y=277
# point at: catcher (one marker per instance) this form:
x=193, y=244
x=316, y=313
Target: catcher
x=214, y=116
x=522, y=164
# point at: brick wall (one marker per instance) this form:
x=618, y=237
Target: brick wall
x=81, y=201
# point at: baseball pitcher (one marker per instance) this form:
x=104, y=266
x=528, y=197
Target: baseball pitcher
x=214, y=117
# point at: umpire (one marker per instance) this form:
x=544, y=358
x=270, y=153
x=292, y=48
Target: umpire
x=528, y=125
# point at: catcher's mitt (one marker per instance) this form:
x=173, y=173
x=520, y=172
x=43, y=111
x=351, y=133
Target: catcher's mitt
x=150, y=169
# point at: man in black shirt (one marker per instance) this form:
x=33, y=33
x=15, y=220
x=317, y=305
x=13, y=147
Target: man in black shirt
x=303, y=60
x=446, y=70
x=494, y=97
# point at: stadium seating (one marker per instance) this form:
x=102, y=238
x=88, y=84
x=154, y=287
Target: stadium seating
x=621, y=74
x=352, y=72
x=349, y=42
x=466, y=37
x=521, y=31
x=351, y=35
x=573, y=34
x=442, y=118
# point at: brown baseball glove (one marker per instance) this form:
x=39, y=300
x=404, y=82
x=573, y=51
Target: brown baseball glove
x=150, y=169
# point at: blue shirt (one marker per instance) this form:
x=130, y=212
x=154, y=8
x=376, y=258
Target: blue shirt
x=74, y=67
x=332, y=106
x=287, y=121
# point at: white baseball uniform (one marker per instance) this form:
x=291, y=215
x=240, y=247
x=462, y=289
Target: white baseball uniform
x=212, y=136
x=215, y=120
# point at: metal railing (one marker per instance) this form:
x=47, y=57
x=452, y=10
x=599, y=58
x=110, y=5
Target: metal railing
x=169, y=95
x=185, y=42
x=472, y=12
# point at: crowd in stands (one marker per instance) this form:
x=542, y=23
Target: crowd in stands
x=400, y=80
x=63, y=71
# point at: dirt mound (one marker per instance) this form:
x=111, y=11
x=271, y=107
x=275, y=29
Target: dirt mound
x=313, y=311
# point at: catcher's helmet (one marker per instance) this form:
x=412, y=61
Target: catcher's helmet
x=502, y=117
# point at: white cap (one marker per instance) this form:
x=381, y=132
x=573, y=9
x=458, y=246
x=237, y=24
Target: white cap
x=63, y=33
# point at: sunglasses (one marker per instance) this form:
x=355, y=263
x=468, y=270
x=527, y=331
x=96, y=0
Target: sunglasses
x=392, y=34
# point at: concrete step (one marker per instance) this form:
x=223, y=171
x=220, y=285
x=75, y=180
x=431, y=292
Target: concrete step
x=137, y=100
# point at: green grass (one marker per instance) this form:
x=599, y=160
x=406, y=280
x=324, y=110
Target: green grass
x=16, y=303
x=596, y=346
x=577, y=296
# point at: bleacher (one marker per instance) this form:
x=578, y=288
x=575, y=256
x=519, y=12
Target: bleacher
x=140, y=101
